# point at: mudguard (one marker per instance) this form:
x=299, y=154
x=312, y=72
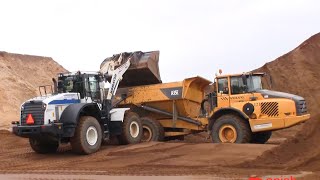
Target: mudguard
x=71, y=115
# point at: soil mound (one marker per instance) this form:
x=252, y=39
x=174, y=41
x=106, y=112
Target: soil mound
x=297, y=72
x=21, y=75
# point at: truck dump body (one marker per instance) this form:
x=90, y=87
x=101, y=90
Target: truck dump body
x=177, y=101
x=144, y=68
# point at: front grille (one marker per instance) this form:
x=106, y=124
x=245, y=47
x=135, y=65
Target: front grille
x=270, y=108
x=301, y=107
x=36, y=110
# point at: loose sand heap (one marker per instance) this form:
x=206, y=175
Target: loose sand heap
x=297, y=72
x=20, y=77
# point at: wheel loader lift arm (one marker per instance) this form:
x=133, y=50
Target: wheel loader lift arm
x=116, y=78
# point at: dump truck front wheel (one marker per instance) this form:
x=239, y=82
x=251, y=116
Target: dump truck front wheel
x=131, y=129
x=43, y=146
x=88, y=136
x=261, y=137
x=152, y=130
x=230, y=129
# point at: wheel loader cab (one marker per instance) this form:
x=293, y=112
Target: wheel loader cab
x=87, y=85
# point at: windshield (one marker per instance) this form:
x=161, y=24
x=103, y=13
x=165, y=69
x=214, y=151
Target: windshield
x=68, y=84
x=254, y=83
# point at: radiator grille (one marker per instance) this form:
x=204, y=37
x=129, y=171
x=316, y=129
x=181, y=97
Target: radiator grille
x=270, y=108
x=36, y=110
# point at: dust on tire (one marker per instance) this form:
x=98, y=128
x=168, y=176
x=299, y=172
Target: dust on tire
x=126, y=137
x=157, y=131
x=242, y=128
x=79, y=141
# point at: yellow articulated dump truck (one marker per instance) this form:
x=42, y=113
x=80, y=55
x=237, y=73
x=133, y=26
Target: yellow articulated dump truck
x=236, y=110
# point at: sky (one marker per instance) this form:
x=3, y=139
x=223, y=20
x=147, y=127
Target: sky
x=195, y=37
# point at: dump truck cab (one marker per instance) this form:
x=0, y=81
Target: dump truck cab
x=240, y=101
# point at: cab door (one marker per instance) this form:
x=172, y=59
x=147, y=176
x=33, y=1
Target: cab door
x=223, y=97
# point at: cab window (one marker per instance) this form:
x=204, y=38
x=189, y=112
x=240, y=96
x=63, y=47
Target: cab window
x=237, y=86
x=92, y=87
x=223, y=86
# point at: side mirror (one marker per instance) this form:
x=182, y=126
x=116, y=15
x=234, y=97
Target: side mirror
x=270, y=78
x=55, y=85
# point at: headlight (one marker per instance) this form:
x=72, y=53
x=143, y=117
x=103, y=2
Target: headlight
x=266, y=96
x=44, y=106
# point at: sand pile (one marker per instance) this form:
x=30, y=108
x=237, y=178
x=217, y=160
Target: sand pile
x=297, y=72
x=20, y=77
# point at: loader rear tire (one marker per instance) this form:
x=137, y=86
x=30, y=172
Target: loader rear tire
x=43, y=145
x=231, y=129
x=87, y=137
x=131, y=129
x=152, y=130
x=261, y=137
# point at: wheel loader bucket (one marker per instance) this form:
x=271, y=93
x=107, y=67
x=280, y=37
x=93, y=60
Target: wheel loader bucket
x=144, y=68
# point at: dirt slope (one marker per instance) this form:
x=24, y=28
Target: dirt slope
x=297, y=72
x=20, y=77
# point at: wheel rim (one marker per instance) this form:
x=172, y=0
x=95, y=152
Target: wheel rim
x=146, y=134
x=228, y=134
x=92, y=135
x=134, y=129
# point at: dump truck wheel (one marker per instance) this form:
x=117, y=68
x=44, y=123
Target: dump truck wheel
x=230, y=129
x=261, y=137
x=43, y=146
x=87, y=137
x=131, y=129
x=152, y=130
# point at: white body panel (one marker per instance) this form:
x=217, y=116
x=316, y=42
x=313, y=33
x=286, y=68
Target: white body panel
x=117, y=114
x=56, y=104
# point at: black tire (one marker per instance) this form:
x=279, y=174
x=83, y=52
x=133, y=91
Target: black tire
x=43, y=145
x=80, y=142
x=241, y=130
x=261, y=137
x=152, y=130
x=131, y=121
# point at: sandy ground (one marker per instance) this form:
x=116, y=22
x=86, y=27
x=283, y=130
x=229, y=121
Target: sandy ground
x=188, y=160
x=302, y=176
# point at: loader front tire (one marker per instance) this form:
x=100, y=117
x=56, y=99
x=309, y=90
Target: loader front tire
x=87, y=137
x=230, y=129
x=261, y=137
x=131, y=129
x=43, y=145
x=152, y=130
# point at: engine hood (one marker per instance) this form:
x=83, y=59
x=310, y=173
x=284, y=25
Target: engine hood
x=62, y=98
x=301, y=107
x=277, y=94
